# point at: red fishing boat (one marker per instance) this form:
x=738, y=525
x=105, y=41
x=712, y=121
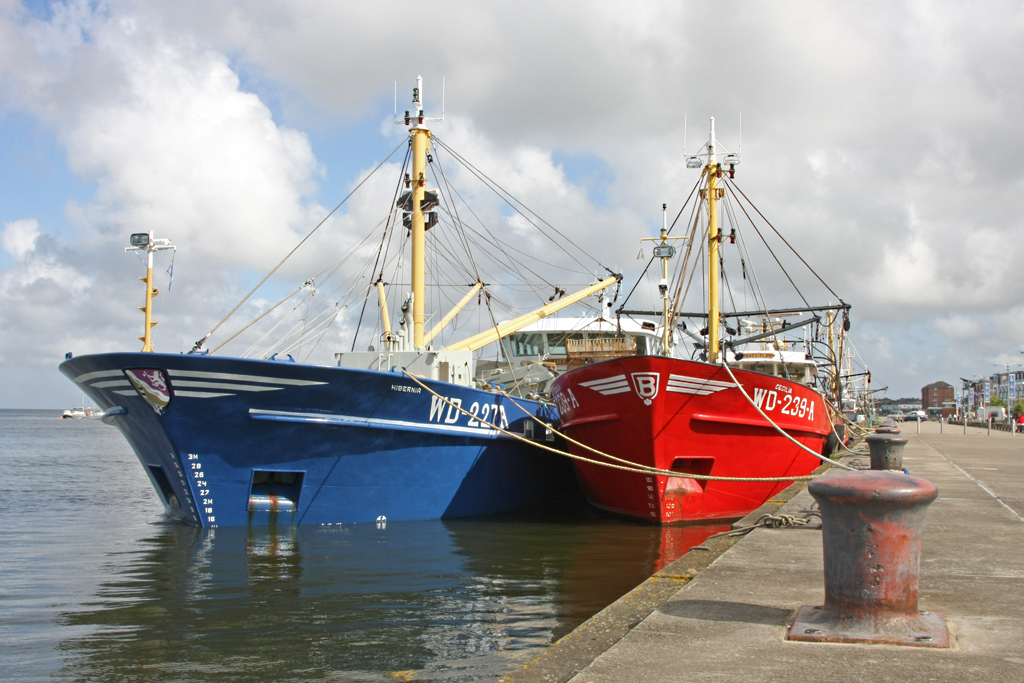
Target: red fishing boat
x=747, y=404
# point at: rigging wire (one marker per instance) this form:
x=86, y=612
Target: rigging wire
x=340, y=261
x=455, y=209
x=680, y=275
x=733, y=184
x=507, y=196
x=198, y=345
x=671, y=227
x=501, y=246
x=385, y=238
x=770, y=251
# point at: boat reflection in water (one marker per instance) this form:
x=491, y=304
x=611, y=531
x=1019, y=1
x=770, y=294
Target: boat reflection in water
x=438, y=600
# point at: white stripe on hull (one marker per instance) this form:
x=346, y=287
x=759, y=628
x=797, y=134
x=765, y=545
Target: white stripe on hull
x=241, y=378
x=326, y=418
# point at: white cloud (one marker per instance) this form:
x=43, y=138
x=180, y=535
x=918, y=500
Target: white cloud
x=882, y=139
x=162, y=129
x=19, y=237
x=958, y=327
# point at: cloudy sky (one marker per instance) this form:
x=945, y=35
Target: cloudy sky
x=884, y=138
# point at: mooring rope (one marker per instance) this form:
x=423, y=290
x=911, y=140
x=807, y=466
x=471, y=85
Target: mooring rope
x=779, y=429
x=633, y=467
x=770, y=521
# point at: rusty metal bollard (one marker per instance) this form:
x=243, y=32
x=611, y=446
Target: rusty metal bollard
x=887, y=429
x=886, y=451
x=872, y=524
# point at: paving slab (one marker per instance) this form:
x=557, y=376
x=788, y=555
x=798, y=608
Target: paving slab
x=727, y=620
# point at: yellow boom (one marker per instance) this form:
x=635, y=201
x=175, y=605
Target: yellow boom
x=481, y=340
x=452, y=313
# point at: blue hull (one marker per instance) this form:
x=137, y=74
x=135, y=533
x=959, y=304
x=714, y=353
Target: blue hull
x=248, y=442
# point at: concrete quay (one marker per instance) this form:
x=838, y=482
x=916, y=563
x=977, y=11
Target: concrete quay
x=721, y=614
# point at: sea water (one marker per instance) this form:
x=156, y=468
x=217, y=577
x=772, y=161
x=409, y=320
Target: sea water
x=97, y=584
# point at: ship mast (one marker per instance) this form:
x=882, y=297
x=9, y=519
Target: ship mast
x=420, y=144
x=144, y=241
x=420, y=140
x=713, y=191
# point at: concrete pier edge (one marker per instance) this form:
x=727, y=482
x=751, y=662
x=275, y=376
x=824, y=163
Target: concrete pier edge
x=573, y=652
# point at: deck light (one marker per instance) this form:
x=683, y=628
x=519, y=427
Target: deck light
x=139, y=239
x=693, y=162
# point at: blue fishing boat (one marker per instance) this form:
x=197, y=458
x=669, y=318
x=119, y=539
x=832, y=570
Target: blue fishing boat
x=406, y=432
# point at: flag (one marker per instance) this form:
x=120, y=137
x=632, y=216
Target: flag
x=170, y=273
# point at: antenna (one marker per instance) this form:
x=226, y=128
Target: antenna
x=740, y=150
x=417, y=112
x=684, y=137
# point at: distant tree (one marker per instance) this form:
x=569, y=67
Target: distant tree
x=996, y=401
x=1018, y=409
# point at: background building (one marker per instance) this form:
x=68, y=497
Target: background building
x=937, y=399
x=1006, y=386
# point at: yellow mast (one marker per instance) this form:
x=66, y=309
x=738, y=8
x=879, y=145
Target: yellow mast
x=713, y=269
x=666, y=328
x=420, y=145
x=420, y=137
x=151, y=291
x=143, y=241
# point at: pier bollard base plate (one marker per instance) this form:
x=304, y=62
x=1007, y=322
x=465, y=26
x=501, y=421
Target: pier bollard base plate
x=822, y=625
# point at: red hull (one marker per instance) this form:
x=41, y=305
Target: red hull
x=688, y=417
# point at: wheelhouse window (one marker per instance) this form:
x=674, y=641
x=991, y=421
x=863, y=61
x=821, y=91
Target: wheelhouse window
x=557, y=343
x=527, y=344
